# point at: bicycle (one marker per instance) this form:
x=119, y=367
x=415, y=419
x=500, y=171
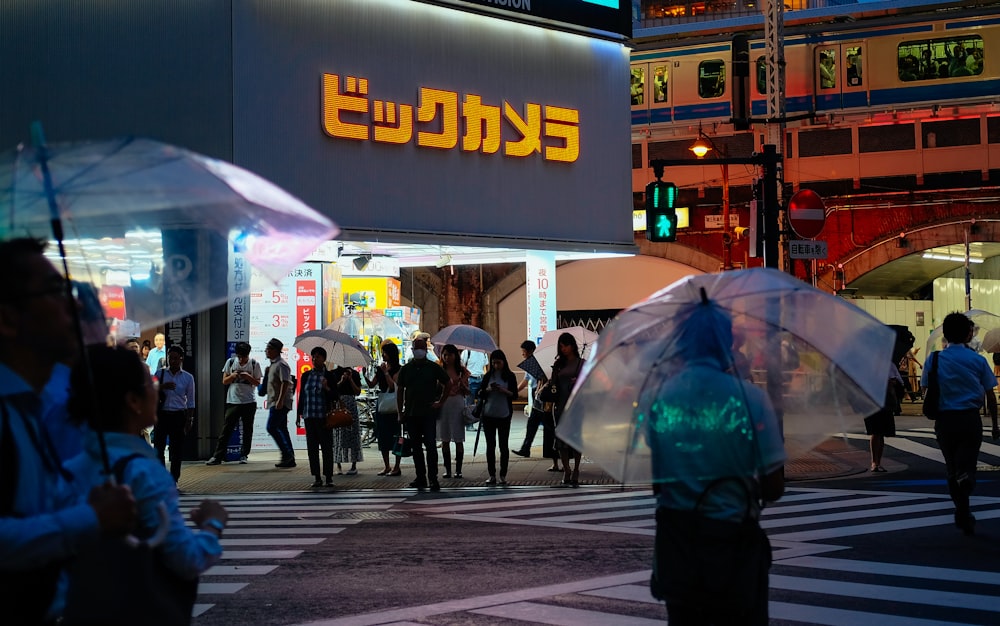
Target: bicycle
x=367, y=408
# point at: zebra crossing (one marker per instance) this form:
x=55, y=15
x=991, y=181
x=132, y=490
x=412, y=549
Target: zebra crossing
x=921, y=442
x=268, y=529
x=810, y=584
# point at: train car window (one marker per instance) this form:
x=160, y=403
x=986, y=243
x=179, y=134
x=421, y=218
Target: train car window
x=660, y=76
x=935, y=59
x=827, y=69
x=762, y=75
x=638, y=81
x=712, y=78
x=853, y=60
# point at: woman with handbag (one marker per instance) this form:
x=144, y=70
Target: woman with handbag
x=497, y=394
x=347, y=441
x=451, y=410
x=387, y=417
x=111, y=582
x=565, y=371
x=316, y=392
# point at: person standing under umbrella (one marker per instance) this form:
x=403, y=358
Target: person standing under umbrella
x=317, y=388
x=418, y=387
x=715, y=448
x=279, y=401
x=451, y=425
x=565, y=371
x=347, y=441
x=964, y=380
x=534, y=377
x=38, y=532
x=498, y=392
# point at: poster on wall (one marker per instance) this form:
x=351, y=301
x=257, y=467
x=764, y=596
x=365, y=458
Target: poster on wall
x=540, y=293
x=283, y=311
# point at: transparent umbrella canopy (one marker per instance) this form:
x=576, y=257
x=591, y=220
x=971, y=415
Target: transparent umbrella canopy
x=822, y=363
x=160, y=231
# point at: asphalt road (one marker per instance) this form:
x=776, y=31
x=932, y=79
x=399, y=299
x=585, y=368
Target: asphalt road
x=868, y=548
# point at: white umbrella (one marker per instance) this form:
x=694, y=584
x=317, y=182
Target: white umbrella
x=464, y=337
x=366, y=324
x=984, y=321
x=341, y=349
x=548, y=349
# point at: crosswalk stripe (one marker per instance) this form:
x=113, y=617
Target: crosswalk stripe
x=821, y=534
x=239, y=570
x=784, y=508
x=868, y=591
x=260, y=555
x=528, y=499
x=282, y=531
x=219, y=588
x=284, y=541
x=894, y=569
x=855, y=514
x=314, y=523
x=563, y=616
x=826, y=616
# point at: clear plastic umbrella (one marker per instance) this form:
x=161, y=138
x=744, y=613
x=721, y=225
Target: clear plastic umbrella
x=985, y=323
x=548, y=350
x=366, y=324
x=464, y=337
x=156, y=228
x=821, y=361
x=341, y=348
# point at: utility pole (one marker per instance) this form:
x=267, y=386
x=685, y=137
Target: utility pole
x=774, y=218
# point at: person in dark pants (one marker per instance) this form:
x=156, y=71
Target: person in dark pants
x=316, y=393
x=497, y=394
x=534, y=377
x=419, y=385
x=241, y=375
x=176, y=413
x=964, y=379
x=279, y=401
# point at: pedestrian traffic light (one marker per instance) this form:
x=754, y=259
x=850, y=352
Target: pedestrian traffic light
x=661, y=218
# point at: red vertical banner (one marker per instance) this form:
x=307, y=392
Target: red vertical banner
x=306, y=319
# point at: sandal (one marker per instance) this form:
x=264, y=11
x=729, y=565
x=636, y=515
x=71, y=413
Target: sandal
x=879, y=469
x=395, y=473
x=384, y=472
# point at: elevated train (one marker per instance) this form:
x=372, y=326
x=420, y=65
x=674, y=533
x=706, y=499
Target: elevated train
x=892, y=63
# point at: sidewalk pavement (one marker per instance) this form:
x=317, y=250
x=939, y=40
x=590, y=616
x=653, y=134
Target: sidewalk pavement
x=834, y=458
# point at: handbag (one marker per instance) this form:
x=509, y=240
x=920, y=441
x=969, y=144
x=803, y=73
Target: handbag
x=114, y=583
x=338, y=416
x=387, y=402
x=471, y=413
x=549, y=393
x=403, y=446
x=932, y=397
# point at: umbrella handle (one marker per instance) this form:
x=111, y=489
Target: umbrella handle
x=161, y=530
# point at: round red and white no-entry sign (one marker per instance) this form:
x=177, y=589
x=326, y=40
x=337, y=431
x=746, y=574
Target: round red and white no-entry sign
x=806, y=213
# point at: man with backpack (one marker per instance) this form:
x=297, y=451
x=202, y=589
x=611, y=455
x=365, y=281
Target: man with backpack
x=241, y=375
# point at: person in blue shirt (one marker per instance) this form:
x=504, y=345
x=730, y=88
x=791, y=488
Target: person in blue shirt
x=964, y=379
x=157, y=356
x=118, y=397
x=40, y=530
x=176, y=412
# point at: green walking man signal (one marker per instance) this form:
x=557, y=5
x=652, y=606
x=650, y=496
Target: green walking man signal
x=661, y=218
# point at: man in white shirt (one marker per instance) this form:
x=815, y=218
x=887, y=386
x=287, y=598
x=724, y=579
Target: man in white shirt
x=176, y=411
x=240, y=375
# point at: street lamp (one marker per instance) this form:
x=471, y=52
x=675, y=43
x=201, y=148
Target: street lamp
x=702, y=146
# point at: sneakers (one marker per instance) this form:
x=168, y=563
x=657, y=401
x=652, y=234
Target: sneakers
x=286, y=464
x=503, y=480
x=243, y=460
x=419, y=484
x=435, y=485
x=214, y=461
x=317, y=484
x=492, y=480
x=329, y=482
x=522, y=452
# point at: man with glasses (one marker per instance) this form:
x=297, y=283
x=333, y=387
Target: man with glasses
x=38, y=533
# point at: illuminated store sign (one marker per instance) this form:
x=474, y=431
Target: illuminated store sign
x=612, y=16
x=551, y=131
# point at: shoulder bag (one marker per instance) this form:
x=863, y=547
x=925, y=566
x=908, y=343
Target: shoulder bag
x=387, y=401
x=116, y=583
x=932, y=398
x=338, y=416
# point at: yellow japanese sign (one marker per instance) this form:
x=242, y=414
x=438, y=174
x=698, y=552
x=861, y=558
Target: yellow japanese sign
x=348, y=113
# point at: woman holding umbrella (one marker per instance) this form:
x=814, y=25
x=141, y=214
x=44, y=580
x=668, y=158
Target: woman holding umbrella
x=565, y=371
